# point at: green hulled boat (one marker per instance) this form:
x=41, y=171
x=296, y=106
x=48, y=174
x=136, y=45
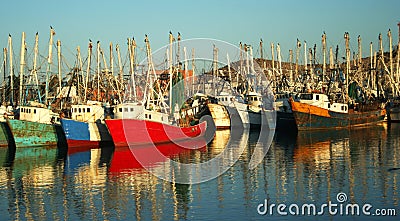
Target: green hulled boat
x=37, y=126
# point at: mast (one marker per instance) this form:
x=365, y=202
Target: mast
x=278, y=50
x=36, y=50
x=105, y=71
x=120, y=73
x=305, y=56
x=171, y=39
x=247, y=63
x=215, y=70
x=390, y=54
x=241, y=66
x=359, y=51
x=310, y=54
x=371, y=56
x=111, y=63
x=380, y=45
x=274, y=77
x=132, y=65
x=98, y=70
x=374, y=76
x=78, y=49
x=398, y=57
x=229, y=70
x=193, y=69
x=149, y=69
x=22, y=66
x=186, y=70
x=88, y=69
x=273, y=59
x=59, y=67
x=324, y=56
x=347, y=39
x=178, y=52
x=298, y=46
x=49, y=63
x=4, y=76
x=381, y=55
x=10, y=50
x=262, y=54
x=331, y=62
x=291, y=64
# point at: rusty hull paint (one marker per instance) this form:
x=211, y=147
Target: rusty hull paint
x=309, y=117
x=27, y=133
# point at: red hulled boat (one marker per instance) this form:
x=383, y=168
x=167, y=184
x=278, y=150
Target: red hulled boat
x=153, y=128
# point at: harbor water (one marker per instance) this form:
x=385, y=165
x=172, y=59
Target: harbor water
x=304, y=168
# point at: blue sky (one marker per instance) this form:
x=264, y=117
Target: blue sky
x=232, y=21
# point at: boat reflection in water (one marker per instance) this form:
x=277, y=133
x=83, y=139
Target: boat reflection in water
x=316, y=166
x=29, y=173
x=109, y=183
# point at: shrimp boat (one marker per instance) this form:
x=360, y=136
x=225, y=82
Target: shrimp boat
x=36, y=126
x=150, y=120
x=315, y=111
x=135, y=125
x=86, y=128
x=236, y=108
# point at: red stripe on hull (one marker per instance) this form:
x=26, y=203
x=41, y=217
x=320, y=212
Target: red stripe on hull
x=82, y=143
x=139, y=132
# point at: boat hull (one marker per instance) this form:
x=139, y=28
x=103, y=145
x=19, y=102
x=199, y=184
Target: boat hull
x=254, y=119
x=128, y=132
x=285, y=121
x=27, y=133
x=241, y=110
x=394, y=114
x=85, y=134
x=220, y=116
x=6, y=137
x=308, y=117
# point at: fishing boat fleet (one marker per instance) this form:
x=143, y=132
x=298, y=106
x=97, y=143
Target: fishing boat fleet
x=158, y=103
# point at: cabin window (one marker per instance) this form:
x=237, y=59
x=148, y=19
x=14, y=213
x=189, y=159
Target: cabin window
x=149, y=116
x=125, y=109
x=88, y=110
x=131, y=109
x=29, y=111
x=342, y=108
x=231, y=98
x=329, y=105
x=306, y=96
x=145, y=115
x=79, y=110
x=34, y=111
x=120, y=109
x=317, y=97
x=84, y=110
